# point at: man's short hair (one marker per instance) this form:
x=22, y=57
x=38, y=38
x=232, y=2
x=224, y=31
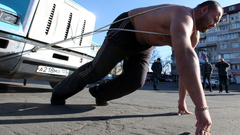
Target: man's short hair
x=212, y=5
x=158, y=59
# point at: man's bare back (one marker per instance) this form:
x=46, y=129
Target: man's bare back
x=159, y=21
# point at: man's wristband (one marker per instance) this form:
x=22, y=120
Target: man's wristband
x=202, y=108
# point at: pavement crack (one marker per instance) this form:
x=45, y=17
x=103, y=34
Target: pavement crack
x=141, y=106
x=77, y=129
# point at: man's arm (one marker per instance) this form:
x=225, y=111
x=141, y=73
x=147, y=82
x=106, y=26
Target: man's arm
x=227, y=65
x=188, y=65
x=182, y=107
x=161, y=68
x=186, y=58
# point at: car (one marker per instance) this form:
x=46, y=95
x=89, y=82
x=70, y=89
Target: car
x=168, y=80
x=107, y=78
x=214, y=82
x=162, y=78
x=232, y=80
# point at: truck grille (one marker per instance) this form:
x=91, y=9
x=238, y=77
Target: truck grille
x=50, y=19
x=68, y=25
x=83, y=29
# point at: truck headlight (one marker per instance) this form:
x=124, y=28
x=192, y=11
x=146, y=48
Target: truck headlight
x=6, y=17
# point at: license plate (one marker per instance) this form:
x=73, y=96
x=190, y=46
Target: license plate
x=52, y=70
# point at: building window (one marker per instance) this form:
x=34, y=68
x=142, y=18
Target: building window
x=235, y=66
x=222, y=37
x=233, y=55
x=234, y=25
x=223, y=46
x=223, y=27
x=233, y=35
x=209, y=49
x=213, y=38
x=231, y=8
x=212, y=30
x=223, y=20
x=226, y=56
x=219, y=56
x=215, y=48
x=202, y=41
x=214, y=58
x=235, y=45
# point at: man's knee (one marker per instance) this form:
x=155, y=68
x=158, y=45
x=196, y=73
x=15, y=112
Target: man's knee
x=134, y=85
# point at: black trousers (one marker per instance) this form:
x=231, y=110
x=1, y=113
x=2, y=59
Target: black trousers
x=207, y=76
x=117, y=46
x=223, y=80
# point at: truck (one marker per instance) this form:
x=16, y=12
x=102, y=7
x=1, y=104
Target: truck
x=44, y=39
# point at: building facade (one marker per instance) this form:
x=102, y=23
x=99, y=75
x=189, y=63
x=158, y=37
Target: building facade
x=220, y=42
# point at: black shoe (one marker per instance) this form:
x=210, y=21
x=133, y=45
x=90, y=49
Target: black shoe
x=55, y=100
x=210, y=90
x=93, y=91
x=220, y=91
x=227, y=91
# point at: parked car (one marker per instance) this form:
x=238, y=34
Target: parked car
x=107, y=78
x=162, y=78
x=232, y=80
x=168, y=80
x=214, y=82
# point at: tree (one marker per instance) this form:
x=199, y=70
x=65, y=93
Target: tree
x=166, y=62
x=154, y=56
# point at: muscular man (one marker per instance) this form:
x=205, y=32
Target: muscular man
x=173, y=25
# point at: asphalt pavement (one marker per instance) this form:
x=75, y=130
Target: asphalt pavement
x=26, y=110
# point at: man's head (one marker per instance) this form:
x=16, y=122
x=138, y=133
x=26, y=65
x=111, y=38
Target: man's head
x=222, y=60
x=206, y=60
x=208, y=15
x=158, y=60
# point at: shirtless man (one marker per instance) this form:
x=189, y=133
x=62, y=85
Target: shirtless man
x=173, y=25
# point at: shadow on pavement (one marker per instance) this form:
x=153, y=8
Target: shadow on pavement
x=185, y=133
x=10, y=88
x=43, y=109
x=33, y=109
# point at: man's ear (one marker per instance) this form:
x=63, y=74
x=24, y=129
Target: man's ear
x=204, y=9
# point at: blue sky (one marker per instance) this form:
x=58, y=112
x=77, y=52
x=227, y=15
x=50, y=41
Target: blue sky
x=107, y=10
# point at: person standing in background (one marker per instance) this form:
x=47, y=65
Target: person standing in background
x=206, y=71
x=157, y=70
x=222, y=73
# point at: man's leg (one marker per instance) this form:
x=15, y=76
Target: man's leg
x=154, y=82
x=204, y=80
x=210, y=83
x=132, y=78
x=226, y=84
x=116, y=46
x=220, y=83
x=107, y=57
